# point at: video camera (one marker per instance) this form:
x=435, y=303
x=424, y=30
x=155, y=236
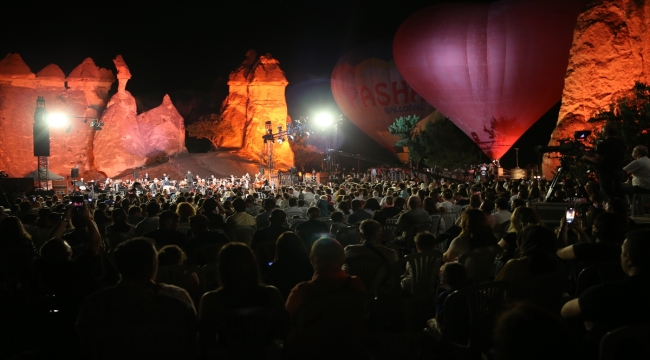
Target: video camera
x=568, y=147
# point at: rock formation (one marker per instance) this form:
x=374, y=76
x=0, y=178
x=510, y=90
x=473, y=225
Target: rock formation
x=610, y=44
x=257, y=95
x=129, y=140
x=85, y=95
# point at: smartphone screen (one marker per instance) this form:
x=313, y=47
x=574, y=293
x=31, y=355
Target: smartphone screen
x=570, y=215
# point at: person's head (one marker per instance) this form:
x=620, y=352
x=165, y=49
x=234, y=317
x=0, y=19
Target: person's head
x=425, y=241
x=185, y=210
x=239, y=205
x=153, y=208
x=522, y=217
x=171, y=255
x=291, y=248
x=473, y=222
x=487, y=206
x=136, y=259
x=278, y=217
x=610, y=129
x=455, y=274
x=12, y=229
x=327, y=254
x=609, y=227
x=502, y=204
x=168, y=220
x=336, y=217
x=372, y=204
x=399, y=202
x=389, y=201
x=475, y=201
x=56, y=251
x=635, y=252
x=537, y=240
x=414, y=202
x=237, y=266
x=518, y=332
x=269, y=204
x=199, y=224
x=356, y=205
x=518, y=203
x=640, y=151
x=313, y=213
x=135, y=211
x=370, y=231
x=209, y=205
x=447, y=195
x=380, y=217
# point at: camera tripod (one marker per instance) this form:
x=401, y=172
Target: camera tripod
x=563, y=171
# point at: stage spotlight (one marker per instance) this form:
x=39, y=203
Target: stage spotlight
x=57, y=120
x=324, y=119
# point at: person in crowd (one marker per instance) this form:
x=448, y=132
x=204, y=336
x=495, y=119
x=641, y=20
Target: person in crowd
x=203, y=237
x=396, y=209
x=252, y=208
x=323, y=205
x=455, y=275
x=120, y=230
x=358, y=214
x=338, y=222
x=171, y=255
x=240, y=287
x=413, y=216
x=291, y=265
x=240, y=218
x=308, y=195
x=262, y=220
x=150, y=223
x=185, y=210
x=101, y=216
x=640, y=170
x=475, y=232
x=520, y=218
x=312, y=229
x=519, y=332
x=460, y=200
x=447, y=200
x=371, y=233
x=424, y=242
x=213, y=211
x=293, y=209
x=487, y=207
x=264, y=239
x=609, y=162
x=134, y=215
x=166, y=233
x=17, y=244
x=137, y=299
x=432, y=208
x=537, y=271
x=609, y=306
x=502, y=214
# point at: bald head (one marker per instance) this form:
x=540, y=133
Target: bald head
x=327, y=254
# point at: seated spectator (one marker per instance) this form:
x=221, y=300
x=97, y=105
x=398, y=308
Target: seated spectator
x=264, y=239
x=293, y=209
x=460, y=200
x=371, y=233
x=166, y=233
x=424, y=242
x=409, y=219
x=137, y=299
x=520, y=218
x=431, y=207
x=519, y=330
x=252, y=208
x=203, y=237
x=210, y=207
x=240, y=287
x=396, y=209
x=185, y=210
x=171, y=255
x=487, y=207
x=120, y=230
x=475, y=233
x=262, y=220
x=502, y=215
x=455, y=276
x=291, y=264
x=358, y=214
x=312, y=229
x=240, y=218
x=322, y=204
x=338, y=222
x=610, y=306
x=150, y=223
x=537, y=260
x=135, y=215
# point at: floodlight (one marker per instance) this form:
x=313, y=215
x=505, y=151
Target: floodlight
x=57, y=120
x=324, y=119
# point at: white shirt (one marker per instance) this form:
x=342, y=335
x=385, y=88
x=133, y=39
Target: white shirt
x=501, y=216
x=640, y=169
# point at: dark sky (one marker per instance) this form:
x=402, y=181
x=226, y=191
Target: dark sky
x=174, y=45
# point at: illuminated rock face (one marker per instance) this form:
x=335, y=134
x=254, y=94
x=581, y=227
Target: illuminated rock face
x=86, y=95
x=610, y=44
x=257, y=95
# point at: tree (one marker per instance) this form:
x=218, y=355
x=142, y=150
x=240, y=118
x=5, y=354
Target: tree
x=306, y=156
x=440, y=144
x=211, y=127
x=631, y=113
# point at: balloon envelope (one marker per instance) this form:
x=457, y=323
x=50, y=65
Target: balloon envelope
x=371, y=92
x=493, y=69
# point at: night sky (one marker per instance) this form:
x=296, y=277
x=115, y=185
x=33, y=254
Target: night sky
x=179, y=45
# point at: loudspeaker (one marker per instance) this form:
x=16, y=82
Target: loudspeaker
x=41, y=140
x=74, y=173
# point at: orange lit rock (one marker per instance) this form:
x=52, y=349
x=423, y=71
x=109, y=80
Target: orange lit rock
x=257, y=95
x=162, y=130
x=19, y=89
x=610, y=44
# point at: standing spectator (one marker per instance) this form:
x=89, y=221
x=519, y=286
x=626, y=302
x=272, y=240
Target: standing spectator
x=640, y=170
x=609, y=162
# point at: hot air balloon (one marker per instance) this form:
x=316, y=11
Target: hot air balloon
x=493, y=69
x=371, y=92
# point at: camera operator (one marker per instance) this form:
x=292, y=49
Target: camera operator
x=609, y=162
x=640, y=170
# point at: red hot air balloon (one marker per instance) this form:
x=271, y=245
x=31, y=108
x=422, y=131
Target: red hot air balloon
x=493, y=69
x=371, y=92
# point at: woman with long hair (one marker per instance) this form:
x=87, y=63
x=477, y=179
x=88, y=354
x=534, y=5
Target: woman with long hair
x=15, y=236
x=475, y=232
x=240, y=287
x=185, y=210
x=291, y=264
